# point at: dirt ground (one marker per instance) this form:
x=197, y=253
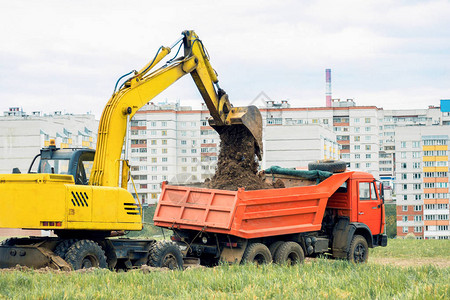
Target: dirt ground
x=411, y=262
x=403, y=262
x=237, y=165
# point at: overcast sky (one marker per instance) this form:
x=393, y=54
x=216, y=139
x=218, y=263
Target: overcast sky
x=67, y=55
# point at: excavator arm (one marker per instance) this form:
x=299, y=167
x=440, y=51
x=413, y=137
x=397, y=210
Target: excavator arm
x=143, y=86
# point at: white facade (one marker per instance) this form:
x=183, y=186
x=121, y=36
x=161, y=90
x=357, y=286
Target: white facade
x=295, y=146
x=22, y=135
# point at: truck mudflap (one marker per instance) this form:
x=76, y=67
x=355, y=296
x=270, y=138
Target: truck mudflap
x=33, y=256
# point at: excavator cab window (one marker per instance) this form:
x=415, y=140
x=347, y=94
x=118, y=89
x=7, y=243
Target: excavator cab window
x=84, y=168
x=54, y=166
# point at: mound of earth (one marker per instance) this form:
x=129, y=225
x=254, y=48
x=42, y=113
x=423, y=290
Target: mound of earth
x=237, y=165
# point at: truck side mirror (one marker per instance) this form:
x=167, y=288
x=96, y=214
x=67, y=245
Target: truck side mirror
x=382, y=191
x=16, y=171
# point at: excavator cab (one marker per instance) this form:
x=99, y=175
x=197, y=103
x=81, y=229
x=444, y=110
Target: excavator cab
x=75, y=162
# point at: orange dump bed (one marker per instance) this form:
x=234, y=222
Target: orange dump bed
x=247, y=214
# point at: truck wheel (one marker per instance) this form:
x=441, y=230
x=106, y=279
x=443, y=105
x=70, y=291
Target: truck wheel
x=62, y=248
x=165, y=254
x=289, y=253
x=359, y=250
x=257, y=253
x=274, y=247
x=86, y=254
x=333, y=166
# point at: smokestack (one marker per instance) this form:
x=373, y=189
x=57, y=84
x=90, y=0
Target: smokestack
x=328, y=87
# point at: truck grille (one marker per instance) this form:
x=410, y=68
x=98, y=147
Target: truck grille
x=80, y=199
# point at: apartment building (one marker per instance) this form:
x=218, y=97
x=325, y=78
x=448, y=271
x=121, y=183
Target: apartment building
x=22, y=135
x=175, y=143
x=356, y=128
x=422, y=180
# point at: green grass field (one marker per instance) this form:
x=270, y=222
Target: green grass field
x=317, y=278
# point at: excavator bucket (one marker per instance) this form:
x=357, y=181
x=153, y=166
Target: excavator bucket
x=248, y=116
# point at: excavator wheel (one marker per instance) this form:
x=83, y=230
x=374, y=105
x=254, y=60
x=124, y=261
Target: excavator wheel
x=62, y=248
x=85, y=254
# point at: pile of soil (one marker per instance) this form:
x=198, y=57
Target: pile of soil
x=237, y=166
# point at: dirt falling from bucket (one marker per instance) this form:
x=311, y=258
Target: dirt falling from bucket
x=237, y=165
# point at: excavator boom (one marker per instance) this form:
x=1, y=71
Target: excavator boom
x=146, y=84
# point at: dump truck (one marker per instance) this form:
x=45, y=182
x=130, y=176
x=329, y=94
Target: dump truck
x=82, y=195
x=342, y=216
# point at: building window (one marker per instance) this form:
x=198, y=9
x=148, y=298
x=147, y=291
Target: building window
x=416, y=165
x=402, y=144
x=357, y=156
x=153, y=159
x=417, y=218
x=404, y=165
x=164, y=159
x=417, y=207
x=403, y=154
x=415, y=144
x=153, y=142
x=368, y=147
x=367, y=120
x=404, y=176
x=368, y=155
x=164, y=124
x=405, y=218
x=356, y=138
x=367, y=129
x=368, y=165
x=164, y=132
x=405, y=186
x=417, y=186
x=418, y=229
x=357, y=147
x=418, y=197
x=404, y=208
x=405, y=197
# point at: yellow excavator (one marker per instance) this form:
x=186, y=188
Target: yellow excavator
x=81, y=194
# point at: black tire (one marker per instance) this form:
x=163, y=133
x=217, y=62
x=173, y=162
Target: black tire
x=257, y=253
x=289, y=253
x=85, y=254
x=165, y=254
x=359, y=250
x=274, y=247
x=334, y=166
x=62, y=248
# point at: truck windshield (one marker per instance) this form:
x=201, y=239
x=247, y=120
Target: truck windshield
x=54, y=166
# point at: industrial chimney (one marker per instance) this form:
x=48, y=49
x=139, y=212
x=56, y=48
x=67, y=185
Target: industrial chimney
x=328, y=87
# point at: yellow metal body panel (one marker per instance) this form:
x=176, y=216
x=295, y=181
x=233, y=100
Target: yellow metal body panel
x=29, y=200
